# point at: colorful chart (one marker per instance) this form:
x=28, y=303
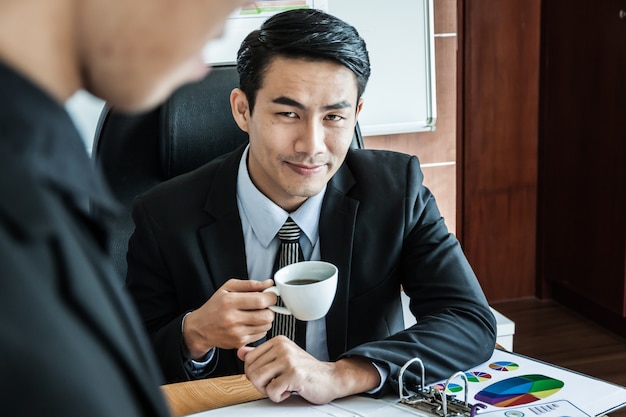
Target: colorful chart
x=504, y=366
x=477, y=376
x=519, y=390
x=452, y=388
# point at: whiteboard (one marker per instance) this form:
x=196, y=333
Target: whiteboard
x=400, y=96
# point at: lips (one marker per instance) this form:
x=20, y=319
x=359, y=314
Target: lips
x=303, y=169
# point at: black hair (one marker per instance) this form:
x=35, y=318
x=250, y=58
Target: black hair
x=301, y=34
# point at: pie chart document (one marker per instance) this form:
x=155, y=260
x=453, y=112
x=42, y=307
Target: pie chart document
x=513, y=385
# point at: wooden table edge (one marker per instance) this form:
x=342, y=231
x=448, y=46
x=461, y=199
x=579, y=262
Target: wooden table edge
x=191, y=397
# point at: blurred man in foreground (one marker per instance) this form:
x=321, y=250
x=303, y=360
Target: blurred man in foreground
x=71, y=342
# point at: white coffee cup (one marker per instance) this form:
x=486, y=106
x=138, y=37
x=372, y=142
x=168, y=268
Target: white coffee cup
x=307, y=289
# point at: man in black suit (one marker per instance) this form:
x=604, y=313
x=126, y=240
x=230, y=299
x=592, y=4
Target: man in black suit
x=204, y=242
x=72, y=343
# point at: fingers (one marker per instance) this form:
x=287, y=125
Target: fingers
x=278, y=390
x=247, y=294
x=234, y=316
x=279, y=346
x=250, y=301
x=252, y=335
x=270, y=367
x=246, y=285
x=238, y=328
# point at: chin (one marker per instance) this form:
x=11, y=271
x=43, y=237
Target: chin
x=308, y=191
x=138, y=105
x=141, y=101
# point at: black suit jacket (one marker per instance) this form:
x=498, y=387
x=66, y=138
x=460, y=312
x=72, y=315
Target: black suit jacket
x=72, y=343
x=379, y=225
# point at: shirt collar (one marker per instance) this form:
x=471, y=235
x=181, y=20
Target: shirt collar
x=266, y=217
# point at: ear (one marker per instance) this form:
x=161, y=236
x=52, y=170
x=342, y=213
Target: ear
x=359, y=106
x=240, y=108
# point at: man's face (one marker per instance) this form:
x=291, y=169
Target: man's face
x=300, y=129
x=134, y=53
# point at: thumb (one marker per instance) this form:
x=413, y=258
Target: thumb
x=243, y=351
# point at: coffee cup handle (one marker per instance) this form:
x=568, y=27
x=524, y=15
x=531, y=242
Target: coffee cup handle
x=275, y=308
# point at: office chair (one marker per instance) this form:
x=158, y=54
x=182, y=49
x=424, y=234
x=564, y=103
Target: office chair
x=137, y=152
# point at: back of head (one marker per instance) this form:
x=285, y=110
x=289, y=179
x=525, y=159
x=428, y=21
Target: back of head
x=301, y=34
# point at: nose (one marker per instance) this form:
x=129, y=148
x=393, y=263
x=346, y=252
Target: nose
x=312, y=139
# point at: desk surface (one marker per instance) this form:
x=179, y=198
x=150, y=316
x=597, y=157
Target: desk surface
x=573, y=392
x=194, y=396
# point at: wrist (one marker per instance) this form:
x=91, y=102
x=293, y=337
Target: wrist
x=192, y=344
x=356, y=375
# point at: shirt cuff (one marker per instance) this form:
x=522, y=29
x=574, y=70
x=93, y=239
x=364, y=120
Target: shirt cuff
x=196, y=367
x=384, y=373
x=203, y=363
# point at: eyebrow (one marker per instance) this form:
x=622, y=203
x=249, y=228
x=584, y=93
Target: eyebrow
x=291, y=102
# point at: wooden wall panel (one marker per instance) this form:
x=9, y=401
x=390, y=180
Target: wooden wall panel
x=445, y=16
x=498, y=129
x=436, y=150
x=441, y=181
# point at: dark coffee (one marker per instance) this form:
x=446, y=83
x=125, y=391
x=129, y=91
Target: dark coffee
x=302, y=281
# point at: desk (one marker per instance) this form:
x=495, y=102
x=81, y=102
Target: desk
x=194, y=396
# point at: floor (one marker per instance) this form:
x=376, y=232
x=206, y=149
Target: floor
x=548, y=331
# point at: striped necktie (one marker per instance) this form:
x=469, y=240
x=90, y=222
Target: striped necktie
x=289, y=253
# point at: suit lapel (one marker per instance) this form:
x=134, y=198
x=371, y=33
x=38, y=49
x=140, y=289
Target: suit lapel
x=222, y=237
x=337, y=224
